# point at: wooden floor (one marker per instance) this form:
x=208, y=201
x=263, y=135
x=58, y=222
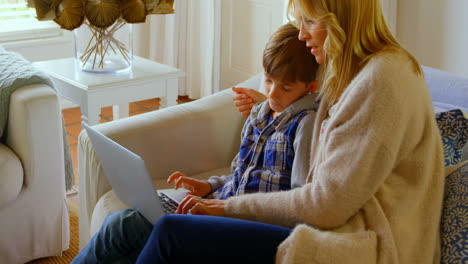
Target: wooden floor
x=72, y=118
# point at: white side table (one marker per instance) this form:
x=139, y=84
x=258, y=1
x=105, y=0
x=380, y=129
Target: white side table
x=91, y=91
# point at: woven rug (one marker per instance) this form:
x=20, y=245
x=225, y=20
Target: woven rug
x=68, y=255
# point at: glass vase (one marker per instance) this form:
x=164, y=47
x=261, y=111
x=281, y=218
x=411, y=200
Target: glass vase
x=107, y=50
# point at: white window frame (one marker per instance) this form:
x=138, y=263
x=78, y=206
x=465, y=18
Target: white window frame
x=26, y=31
x=19, y=29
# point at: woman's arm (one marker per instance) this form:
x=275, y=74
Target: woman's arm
x=372, y=129
x=245, y=98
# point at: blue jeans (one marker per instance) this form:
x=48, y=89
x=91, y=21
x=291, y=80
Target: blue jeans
x=120, y=239
x=209, y=239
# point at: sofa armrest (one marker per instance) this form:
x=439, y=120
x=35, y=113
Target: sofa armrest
x=11, y=175
x=195, y=137
x=34, y=133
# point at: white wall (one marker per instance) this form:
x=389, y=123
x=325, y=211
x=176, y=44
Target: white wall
x=390, y=9
x=245, y=29
x=436, y=32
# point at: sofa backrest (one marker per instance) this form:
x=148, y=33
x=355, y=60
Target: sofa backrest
x=255, y=82
x=448, y=91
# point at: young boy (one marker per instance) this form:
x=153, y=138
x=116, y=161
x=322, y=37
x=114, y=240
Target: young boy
x=274, y=152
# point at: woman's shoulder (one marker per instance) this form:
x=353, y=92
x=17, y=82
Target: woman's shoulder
x=387, y=75
x=389, y=71
x=391, y=62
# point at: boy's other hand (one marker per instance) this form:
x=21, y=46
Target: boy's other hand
x=195, y=187
x=245, y=98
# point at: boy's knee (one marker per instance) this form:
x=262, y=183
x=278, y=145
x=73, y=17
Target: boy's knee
x=127, y=218
x=119, y=216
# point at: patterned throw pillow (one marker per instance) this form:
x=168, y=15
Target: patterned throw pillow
x=454, y=222
x=453, y=126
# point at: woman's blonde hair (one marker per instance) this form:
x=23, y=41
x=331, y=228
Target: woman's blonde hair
x=356, y=31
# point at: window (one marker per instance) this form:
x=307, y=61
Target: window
x=18, y=22
x=15, y=10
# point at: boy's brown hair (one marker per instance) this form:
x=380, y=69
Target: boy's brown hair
x=287, y=58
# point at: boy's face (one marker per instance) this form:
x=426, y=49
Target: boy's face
x=281, y=94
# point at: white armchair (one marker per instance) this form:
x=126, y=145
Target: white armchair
x=199, y=138
x=33, y=207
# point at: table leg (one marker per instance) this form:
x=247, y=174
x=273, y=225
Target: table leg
x=90, y=112
x=170, y=99
x=120, y=111
x=91, y=120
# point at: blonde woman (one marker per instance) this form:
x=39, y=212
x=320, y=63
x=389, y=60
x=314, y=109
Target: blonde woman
x=374, y=192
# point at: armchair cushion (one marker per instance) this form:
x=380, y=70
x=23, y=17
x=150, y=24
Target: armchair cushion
x=11, y=175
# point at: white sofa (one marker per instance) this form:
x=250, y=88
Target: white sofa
x=199, y=138
x=33, y=208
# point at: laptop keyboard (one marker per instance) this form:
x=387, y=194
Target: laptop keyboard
x=169, y=205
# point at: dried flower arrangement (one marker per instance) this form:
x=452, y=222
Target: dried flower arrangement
x=104, y=18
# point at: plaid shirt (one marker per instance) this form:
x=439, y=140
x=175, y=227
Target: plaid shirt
x=266, y=155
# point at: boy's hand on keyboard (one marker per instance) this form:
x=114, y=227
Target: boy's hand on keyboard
x=195, y=187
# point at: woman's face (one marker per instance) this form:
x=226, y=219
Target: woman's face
x=314, y=34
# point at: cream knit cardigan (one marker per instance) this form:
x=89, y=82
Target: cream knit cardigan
x=374, y=193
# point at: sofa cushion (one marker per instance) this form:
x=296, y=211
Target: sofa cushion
x=11, y=175
x=257, y=82
x=454, y=221
x=453, y=127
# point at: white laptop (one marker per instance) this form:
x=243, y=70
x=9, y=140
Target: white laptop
x=130, y=180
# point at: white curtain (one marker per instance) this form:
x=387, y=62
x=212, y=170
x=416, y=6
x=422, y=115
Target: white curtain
x=390, y=9
x=188, y=40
